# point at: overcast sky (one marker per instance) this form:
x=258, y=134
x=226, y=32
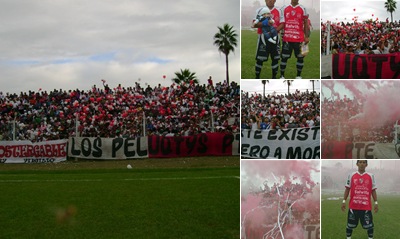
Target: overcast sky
x=73, y=44
x=278, y=86
x=346, y=10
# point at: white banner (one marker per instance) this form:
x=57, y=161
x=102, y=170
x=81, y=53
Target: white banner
x=28, y=152
x=299, y=143
x=108, y=148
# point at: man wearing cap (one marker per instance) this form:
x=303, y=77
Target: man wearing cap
x=267, y=48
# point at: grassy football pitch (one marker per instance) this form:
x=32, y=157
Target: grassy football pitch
x=334, y=220
x=157, y=198
x=311, y=68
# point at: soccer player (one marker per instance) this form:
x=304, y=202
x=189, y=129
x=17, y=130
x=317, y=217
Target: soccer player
x=267, y=48
x=361, y=186
x=296, y=32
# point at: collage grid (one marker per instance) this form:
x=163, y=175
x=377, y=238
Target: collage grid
x=319, y=118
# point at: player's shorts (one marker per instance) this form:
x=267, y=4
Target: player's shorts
x=266, y=49
x=364, y=216
x=288, y=47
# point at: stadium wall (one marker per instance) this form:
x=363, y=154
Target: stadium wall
x=207, y=144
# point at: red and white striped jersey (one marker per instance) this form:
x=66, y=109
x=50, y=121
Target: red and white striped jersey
x=293, y=17
x=361, y=187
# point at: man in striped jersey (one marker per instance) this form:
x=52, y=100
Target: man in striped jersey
x=360, y=186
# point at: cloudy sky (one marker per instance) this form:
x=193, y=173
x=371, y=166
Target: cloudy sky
x=346, y=10
x=73, y=44
x=278, y=86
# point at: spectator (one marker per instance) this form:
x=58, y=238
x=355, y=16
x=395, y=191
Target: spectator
x=339, y=126
x=371, y=37
x=177, y=109
x=281, y=111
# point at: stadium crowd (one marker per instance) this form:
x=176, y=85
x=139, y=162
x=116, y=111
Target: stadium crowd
x=280, y=111
x=367, y=37
x=184, y=109
x=338, y=125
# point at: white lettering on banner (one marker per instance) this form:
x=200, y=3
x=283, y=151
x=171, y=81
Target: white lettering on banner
x=108, y=148
x=300, y=143
x=28, y=152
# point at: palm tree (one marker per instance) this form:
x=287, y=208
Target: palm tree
x=289, y=83
x=312, y=81
x=390, y=6
x=226, y=41
x=185, y=76
x=264, y=82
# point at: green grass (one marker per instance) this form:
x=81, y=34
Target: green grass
x=120, y=203
x=386, y=223
x=311, y=68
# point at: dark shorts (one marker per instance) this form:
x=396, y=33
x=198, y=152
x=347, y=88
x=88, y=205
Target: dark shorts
x=265, y=50
x=365, y=217
x=288, y=47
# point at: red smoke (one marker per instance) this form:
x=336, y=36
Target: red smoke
x=293, y=189
x=379, y=98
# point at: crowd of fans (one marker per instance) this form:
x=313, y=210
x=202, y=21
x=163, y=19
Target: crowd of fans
x=185, y=109
x=339, y=126
x=280, y=111
x=367, y=37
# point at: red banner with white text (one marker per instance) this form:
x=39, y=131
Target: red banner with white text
x=372, y=66
x=28, y=152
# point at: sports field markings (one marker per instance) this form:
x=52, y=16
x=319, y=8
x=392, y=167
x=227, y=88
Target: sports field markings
x=102, y=180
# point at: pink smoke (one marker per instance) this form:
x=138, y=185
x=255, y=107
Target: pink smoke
x=294, y=231
x=259, y=210
x=380, y=100
x=354, y=88
x=382, y=106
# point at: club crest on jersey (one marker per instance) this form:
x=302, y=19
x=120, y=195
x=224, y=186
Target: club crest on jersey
x=361, y=180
